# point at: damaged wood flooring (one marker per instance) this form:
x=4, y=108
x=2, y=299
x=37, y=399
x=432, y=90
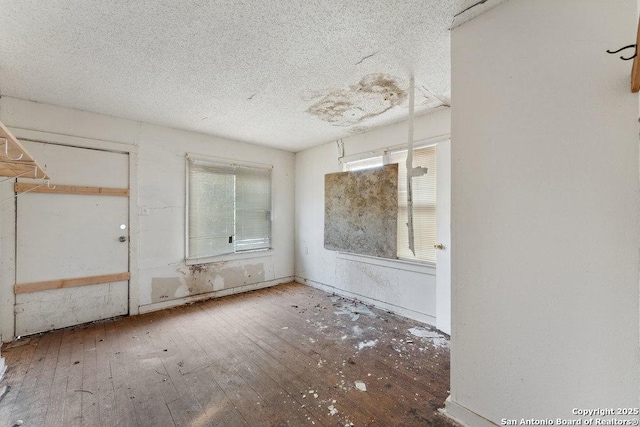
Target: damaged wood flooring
x=289, y=355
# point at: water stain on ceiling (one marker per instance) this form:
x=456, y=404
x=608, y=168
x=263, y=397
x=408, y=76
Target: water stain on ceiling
x=371, y=96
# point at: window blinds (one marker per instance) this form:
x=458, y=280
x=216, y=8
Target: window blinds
x=253, y=208
x=424, y=205
x=229, y=209
x=424, y=201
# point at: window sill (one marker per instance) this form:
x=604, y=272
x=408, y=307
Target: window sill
x=258, y=253
x=424, y=267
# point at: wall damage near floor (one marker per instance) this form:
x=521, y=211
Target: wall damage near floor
x=203, y=278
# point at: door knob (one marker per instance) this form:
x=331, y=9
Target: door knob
x=439, y=246
x=122, y=238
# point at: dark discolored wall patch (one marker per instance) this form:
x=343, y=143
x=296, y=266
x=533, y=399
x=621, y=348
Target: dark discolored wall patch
x=199, y=280
x=371, y=96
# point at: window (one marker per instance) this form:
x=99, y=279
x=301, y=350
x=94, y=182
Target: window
x=424, y=201
x=228, y=208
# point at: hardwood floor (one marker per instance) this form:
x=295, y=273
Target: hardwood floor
x=289, y=355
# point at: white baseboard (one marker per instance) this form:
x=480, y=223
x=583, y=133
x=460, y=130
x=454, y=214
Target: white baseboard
x=405, y=312
x=464, y=416
x=147, y=308
x=3, y=368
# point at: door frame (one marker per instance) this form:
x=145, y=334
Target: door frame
x=443, y=235
x=8, y=223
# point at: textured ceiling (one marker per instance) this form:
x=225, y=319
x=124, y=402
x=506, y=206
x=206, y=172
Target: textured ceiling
x=286, y=74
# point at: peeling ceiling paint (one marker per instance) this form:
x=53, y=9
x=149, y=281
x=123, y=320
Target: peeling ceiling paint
x=284, y=74
x=372, y=96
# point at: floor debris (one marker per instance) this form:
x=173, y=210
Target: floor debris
x=354, y=311
x=423, y=333
x=405, y=363
x=366, y=344
x=360, y=385
x=434, y=337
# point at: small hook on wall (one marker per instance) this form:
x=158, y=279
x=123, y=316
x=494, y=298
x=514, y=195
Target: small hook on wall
x=6, y=151
x=35, y=173
x=635, y=51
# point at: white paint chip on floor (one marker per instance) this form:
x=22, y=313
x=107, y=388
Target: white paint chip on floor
x=360, y=385
x=366, y=344
x=423, y=333
x=435, y=338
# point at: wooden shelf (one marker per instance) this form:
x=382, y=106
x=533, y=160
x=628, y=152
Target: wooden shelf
x=23, y=187
x=15, y=160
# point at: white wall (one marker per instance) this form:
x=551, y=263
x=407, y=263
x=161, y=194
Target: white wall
x=544, y=212
x=405, y=288
x=162, y=202
x=161, y=277
x=2, y=362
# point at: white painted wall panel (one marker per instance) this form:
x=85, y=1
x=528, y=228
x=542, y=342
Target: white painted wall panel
x=162, y=201
x=3, y=366
x=65, y=121
x=58, y=308
x=545, y=206
x=7, y=259
x=388, y=282
x=79, y=166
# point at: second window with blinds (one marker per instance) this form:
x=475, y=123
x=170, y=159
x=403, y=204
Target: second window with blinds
x=228, y=208
x=424, y=201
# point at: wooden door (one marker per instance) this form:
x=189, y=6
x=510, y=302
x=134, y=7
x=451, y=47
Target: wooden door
x=72, y=250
